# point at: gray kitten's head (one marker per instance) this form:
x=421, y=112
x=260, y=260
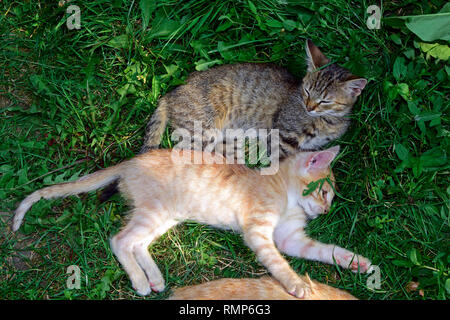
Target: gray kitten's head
x=327, y=88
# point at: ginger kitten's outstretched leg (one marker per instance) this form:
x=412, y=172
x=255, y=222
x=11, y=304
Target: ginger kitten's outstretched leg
x=258, y=236
x=292, y=240
x=300, y=245
x=131, y=249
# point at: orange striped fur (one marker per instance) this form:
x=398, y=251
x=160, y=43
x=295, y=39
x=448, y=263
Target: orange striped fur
x=264, y=288
x=270, y=211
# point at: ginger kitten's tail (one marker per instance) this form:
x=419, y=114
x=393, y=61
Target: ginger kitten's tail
x=84, y=184
x=155, y=127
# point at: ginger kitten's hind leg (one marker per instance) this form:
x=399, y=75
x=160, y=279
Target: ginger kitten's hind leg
x=143, y=257
x=131, y=249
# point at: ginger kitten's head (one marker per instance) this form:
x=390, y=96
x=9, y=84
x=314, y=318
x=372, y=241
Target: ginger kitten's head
x=314, y=168
x=327, y=88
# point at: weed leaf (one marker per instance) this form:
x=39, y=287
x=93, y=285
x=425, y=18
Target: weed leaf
x=147, y=8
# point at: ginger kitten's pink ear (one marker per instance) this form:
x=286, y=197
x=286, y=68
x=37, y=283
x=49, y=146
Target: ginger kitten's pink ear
x=355, y=86
x=315, y=58
x=322, y=159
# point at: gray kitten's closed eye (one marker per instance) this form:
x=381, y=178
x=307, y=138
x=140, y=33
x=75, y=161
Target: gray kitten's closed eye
x=308, y=113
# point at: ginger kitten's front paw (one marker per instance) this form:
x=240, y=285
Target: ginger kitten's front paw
x=157, y=286
x=300, y=289
x=352, y=261
x=142, y=289
x=360, y=264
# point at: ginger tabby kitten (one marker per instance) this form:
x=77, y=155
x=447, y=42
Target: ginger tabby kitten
x=270, y=211
x=264, y=288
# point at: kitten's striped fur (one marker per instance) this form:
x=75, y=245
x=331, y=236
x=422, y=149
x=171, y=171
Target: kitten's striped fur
x=308, y=113
x=264, y=288
x=270, y=211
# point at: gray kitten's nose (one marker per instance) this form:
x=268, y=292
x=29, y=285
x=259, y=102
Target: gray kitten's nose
x=310, y=105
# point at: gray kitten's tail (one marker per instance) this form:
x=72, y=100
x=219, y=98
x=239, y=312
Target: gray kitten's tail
x=84, y=184
x=153, y=134
x=155, y=127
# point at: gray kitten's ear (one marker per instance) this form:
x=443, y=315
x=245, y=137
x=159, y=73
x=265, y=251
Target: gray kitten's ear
x=314, y=57
x=355, y=86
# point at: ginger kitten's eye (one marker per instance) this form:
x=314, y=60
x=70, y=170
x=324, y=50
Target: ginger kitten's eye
x=307, y=92
x=325, y=102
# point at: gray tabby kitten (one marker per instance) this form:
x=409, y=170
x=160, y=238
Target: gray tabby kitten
x=308, y=113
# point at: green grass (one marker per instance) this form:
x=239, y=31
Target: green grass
x=74, y=101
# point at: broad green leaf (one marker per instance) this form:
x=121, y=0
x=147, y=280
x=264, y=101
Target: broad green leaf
x=399, y=69
x=147, y=8
x=310, y=188
x=313, y=186
x=6, y=168
x=427, y=116
x=436, y=50
x=401, y=151
x=224, y=51
x=252, y=7
x=402, y=263
x=414, y=256
x=433, y=158
x=40, y=84
x=428, y=27
x=156, y=87
x=403, y=90
x=289, y=25
x=202, y=64
x=163, y=28
x=272, y=23
x=224, y=26
x=126, y=89
x=22, y=173
x=412, y=106
x=170, y=69
x=416, y=166
x=409, y=53
x=431, y=27
x=396, y=39
x=422, y=126
x=119, y=42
